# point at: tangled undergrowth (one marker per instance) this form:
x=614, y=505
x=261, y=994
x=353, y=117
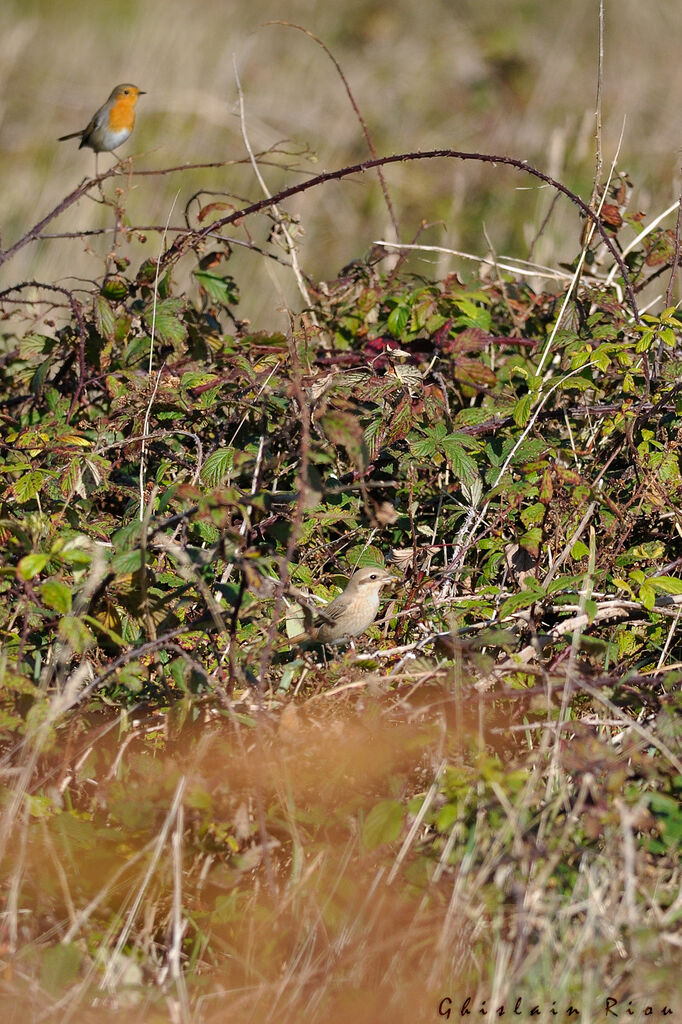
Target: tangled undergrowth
x=479, y=801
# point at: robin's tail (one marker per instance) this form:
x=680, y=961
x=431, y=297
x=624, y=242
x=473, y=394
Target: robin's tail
x=73, y=135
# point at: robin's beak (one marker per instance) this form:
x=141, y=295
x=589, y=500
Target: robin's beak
x=141, y=92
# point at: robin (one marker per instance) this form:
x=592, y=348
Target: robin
x=353, y=611
x=113, y=122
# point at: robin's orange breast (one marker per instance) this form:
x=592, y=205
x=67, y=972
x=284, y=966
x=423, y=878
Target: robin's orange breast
x=122, y=115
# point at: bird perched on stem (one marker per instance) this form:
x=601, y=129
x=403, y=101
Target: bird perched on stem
x=113, y=122
x=353, y=611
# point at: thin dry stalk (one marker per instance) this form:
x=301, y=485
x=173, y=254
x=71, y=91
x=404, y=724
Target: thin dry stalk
x=113, y=972
x=148, y=411
x=279, y=219
x=363, y=124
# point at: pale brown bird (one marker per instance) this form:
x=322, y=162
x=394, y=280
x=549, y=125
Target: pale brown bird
x=353, y=611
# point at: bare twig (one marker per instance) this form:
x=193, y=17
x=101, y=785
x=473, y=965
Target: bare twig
x=598, y=112
x=261, y=181
x=148, y=410
x=182, y=244
x=363, y=124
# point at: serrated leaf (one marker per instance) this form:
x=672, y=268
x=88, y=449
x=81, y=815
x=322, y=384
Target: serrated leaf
x=423, y=448
x=39, y=377
x=474, y=316
x=27, y=486
x=127, y=536
x=576, y=383
x=167, y=325
x=131, y=676
x=32, y=345
x=473, y=372
x=127, y=561
x=56, y=595
x=533, y=514
x=408, y=375
x=383, y=824
x=364, y=554
x=462, y=465
x=218, y=466
x=33, y=441
x=105, y=318
x=77, y=551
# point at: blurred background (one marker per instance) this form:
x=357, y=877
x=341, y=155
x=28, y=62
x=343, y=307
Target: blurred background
x=515, y=77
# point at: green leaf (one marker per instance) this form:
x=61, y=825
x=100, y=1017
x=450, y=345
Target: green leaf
x=221, y=288
x=383, y=824
x=115, y=288
x=127, y=561
x=57, y=595
x=576, y=383
x=27, y=486
x=524, y=599
x=398, y=319
x=474, y=316
x=132, y=676
x=167, y=325
x=218, y=466
x=196, y=378
x=424, y=448
x=665, y=584
x=462, y=465
x=40, y=376
x=105, y=318
x=33, y=345
x=31, y=565
x=521, y=413
x=360, y=555
x=533, y=514
x=531, y=539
